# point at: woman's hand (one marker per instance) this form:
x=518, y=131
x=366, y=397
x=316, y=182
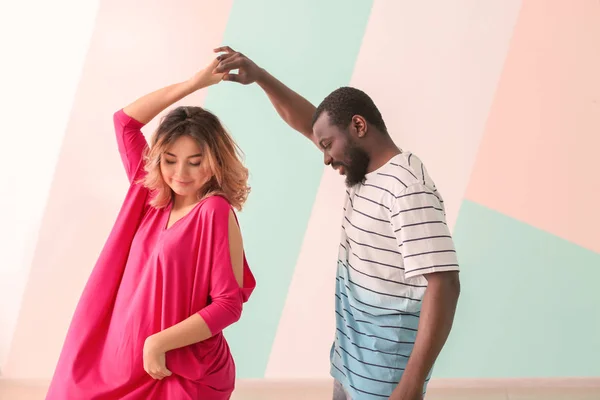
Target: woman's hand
x=149, y=106
x=154, y=359
x=206, y=77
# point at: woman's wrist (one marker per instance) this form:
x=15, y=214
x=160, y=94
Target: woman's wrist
x=192, y=86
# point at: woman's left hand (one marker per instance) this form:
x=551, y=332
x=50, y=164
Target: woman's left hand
x=154, y=359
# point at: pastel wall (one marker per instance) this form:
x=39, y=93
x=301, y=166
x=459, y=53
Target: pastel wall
x=499, y=98
x=43, y=50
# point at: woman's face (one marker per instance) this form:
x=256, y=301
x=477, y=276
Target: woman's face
x=184, y=167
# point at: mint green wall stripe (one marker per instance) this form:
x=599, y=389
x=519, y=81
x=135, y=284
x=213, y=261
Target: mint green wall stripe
x=529, y=304
x=311, y=45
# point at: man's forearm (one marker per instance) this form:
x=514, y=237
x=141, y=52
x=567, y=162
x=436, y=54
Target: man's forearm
x=437, y=316
x=294, y=109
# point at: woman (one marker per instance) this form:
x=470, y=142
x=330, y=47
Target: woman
x=172, y=274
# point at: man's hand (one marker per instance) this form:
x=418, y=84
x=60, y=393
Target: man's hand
x=437, y=316
x=248, y=73
x=294, y=109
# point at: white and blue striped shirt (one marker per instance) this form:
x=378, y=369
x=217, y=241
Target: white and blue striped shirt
x=394, y=231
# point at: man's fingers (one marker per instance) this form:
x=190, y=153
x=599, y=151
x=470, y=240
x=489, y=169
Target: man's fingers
x=229, y=64
x=224, y=48
x=231, y=77
x=223, y=57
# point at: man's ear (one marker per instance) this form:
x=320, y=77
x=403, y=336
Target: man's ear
x=358, y=126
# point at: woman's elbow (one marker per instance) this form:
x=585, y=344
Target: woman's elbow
x=233, y=306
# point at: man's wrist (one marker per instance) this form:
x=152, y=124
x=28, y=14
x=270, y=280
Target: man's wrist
x=262, y=77
x=408, y=389
x=411, y=385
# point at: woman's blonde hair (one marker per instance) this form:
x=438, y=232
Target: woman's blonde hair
x=229, y=176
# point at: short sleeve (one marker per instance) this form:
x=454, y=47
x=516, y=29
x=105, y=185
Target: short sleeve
x=419, y=224
x=131, y=143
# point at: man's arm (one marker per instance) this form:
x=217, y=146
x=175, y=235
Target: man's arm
x=294, y=109
x=418, y=213
x=437, y=315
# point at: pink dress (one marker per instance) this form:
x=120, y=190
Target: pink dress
x=149, y=278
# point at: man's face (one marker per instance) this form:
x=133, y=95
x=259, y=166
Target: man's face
x=341, y=150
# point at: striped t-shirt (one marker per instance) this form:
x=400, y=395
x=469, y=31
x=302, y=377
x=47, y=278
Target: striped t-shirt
x=394, y=231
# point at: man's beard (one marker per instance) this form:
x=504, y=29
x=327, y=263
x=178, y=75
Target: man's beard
x=356, y=166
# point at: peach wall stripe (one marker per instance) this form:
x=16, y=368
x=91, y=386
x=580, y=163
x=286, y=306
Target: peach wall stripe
x=539, y=160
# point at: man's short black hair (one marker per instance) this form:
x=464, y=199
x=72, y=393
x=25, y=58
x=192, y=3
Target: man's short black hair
x=344, y=103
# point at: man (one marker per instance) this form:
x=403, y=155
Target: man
x=397, y=276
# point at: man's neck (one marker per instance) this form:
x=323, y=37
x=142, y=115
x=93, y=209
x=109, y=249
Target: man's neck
x=382, y=154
